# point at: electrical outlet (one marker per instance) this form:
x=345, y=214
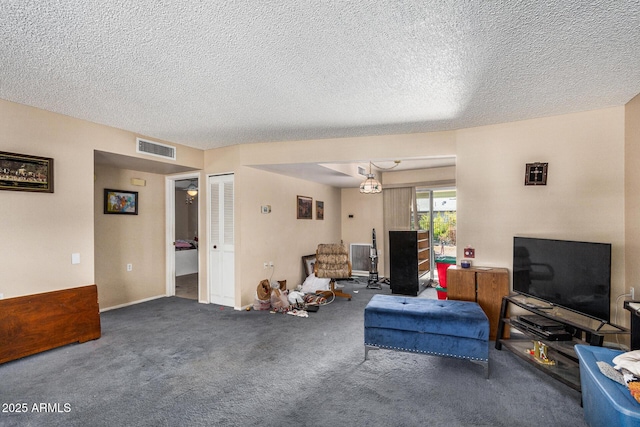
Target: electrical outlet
x=129, y=267
x=633, y=293
x=271, y=264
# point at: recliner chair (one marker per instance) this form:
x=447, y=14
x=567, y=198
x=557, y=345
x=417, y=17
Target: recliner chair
x=332, y=262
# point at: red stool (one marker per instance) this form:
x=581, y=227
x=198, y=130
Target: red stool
x=442, y=278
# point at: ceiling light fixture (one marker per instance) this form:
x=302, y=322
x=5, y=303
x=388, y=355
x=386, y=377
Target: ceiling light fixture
x=371, y=185
x=192, y=190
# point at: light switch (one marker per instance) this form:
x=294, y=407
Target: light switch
x=75, y=258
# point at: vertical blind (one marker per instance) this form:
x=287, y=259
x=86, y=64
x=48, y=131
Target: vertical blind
x=396, y=205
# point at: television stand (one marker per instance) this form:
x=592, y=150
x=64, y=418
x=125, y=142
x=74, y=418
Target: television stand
x=560, y=330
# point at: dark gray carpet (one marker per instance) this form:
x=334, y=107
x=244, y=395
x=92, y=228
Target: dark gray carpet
x=174, y=362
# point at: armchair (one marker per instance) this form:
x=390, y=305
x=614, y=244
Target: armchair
x=332, y=262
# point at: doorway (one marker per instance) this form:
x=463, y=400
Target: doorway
x=436, y=211
x=183, y=222
x=186, y=238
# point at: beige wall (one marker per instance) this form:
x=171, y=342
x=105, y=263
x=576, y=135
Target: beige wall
x=278, y=236
x=182, y=215
x=40, y=231
x=129, y=239
x=367, y=209
x=361, y=149
x=583, y=198
x=45, y=229
x=367, y=215
x=429, y=178
x=632, y=194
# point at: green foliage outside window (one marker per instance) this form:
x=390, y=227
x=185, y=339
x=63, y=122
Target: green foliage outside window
x=444, y=226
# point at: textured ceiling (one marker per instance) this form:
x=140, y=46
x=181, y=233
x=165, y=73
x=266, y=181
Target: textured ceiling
x=215, y=73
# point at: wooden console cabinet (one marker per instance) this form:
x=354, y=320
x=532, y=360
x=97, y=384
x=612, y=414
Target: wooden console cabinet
x=35, y=323
x=484, y=285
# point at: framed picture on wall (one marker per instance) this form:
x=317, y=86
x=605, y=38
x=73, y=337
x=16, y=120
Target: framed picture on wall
x=319, y=209
x=305, y=207
x=120, y=202
x=21, y=172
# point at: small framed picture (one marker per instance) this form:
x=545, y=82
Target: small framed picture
x=120, y=202
x=319, y=209
x=305, y=207
x=536, y=174
x=21, y=172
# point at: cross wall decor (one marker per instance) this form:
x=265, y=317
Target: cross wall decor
x=536, y=174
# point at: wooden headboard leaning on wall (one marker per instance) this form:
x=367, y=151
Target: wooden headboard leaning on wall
x=34, y=323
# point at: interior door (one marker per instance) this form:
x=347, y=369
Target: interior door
x=221, y=240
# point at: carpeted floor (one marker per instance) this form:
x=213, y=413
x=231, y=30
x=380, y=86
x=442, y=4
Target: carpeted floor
x=175, y=362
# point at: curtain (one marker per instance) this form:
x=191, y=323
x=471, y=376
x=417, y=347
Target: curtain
x=396, y=206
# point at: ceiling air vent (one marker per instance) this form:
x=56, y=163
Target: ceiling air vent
x=155, y=149
x=362, y=171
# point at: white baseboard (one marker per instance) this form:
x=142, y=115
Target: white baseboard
x=156, y=297
x=131, y=303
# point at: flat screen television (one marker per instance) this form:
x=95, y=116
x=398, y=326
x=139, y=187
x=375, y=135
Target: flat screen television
x=574, y=275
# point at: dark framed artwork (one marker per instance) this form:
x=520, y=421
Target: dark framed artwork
x=536, y=174
x=121, y=202
x=21, y=172
x=305, y=207
x=319, y=209
x=308, y=262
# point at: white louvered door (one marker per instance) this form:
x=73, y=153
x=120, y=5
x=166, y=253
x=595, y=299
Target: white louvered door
x=221, y=241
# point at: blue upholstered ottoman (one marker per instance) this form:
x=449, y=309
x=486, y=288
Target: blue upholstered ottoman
x=439, y=327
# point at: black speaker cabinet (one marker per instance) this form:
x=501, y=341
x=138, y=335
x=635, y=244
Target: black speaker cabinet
x=403, y=262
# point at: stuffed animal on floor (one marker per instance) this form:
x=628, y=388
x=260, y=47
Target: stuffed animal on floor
x=279, y=299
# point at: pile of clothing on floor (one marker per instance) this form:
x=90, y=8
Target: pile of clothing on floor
x=626, y=371
x=278, y=299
